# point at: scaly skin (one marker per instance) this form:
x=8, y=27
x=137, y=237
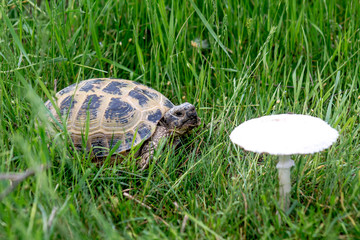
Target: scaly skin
x=147, y=151
x=177, y=121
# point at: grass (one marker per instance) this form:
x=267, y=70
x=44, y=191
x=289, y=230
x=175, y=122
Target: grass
x=264, y=57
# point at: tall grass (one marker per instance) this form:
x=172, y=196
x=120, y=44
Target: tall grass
x=263, y=57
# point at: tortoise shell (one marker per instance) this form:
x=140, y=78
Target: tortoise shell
x=115, y=109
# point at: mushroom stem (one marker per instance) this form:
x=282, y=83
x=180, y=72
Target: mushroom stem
x=283, y=166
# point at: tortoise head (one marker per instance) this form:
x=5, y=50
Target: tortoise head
x=181, y=119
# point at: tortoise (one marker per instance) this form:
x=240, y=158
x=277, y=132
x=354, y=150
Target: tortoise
x=121, y=110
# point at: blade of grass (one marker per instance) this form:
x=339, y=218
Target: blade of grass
x=212, y=33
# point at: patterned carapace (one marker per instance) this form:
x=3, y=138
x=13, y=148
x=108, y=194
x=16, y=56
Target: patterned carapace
x=114, y=109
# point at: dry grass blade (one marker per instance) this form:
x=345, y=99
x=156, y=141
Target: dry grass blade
x=17, y=178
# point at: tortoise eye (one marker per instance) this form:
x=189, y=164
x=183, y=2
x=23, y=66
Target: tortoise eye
x=179, y=114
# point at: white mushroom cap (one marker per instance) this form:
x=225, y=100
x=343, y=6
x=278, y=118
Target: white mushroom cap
x=284, y=134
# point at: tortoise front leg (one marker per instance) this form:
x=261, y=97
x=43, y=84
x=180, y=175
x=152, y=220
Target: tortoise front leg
x=147, y=151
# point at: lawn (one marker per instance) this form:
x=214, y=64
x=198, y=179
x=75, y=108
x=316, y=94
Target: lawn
x=234, y=60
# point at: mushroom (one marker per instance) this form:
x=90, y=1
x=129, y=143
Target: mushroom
x=283, y=135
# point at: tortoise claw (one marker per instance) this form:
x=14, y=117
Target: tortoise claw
x=144, y=162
